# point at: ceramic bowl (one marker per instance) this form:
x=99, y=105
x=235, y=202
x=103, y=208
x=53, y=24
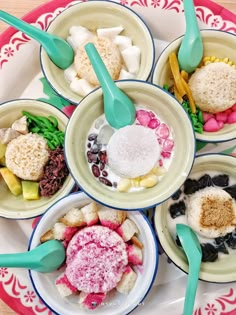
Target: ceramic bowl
x=15, y=207
x=167, y=109
x=215, y=43
x=221, y=270
x=119, y=303
x=93, y=15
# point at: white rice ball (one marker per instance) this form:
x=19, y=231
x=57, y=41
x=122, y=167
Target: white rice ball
x=211, y=212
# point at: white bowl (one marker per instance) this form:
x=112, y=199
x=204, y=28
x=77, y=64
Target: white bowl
x=121, y=304
x=223, y=269
x=15, y=207
x=215, y=43
x=167, y=109
x=92, y=15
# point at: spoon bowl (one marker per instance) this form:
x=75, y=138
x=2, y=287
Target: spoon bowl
x=191, y=49
x=118, y=107
x=46, y=257
x=193, y=251
x=58, y=50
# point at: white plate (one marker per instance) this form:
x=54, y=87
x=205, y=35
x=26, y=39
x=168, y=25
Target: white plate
x=20, y=77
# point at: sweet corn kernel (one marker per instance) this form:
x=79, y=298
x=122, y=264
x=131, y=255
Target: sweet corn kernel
x=124, y=185
x=212, y=58
x=206, y=59
x=149, y=180
x=226, y=60
x=217, y=60
x=230, y=63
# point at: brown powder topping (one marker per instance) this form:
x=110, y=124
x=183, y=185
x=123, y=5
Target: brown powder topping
x=217, y=213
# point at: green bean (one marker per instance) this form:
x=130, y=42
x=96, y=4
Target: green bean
x=35, y=129
x=47, y=128
x=54, y=121
x=46, y=122
x=51, y=146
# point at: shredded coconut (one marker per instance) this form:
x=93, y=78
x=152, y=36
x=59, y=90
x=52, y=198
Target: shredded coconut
x=133, y=151
x=96, y=259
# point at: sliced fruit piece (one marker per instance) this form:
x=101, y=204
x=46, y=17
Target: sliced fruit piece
x=30, y=190
x=12, y=181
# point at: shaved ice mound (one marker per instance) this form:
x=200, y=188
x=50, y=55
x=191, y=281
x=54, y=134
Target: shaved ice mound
x=133, y=151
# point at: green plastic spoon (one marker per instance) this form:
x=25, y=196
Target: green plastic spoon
x=46, y=257
x=58, y=50
x=191, y=49
x=118, y=107
x=193, y=251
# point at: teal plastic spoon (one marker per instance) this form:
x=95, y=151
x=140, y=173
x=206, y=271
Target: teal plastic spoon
x=58, y=50
x=118, y=108
x=46, y=257
x=193, y=251
x=191, y=48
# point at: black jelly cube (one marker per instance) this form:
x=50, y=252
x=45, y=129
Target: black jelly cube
x=221, y=180
x=231, y=190
x=231, y=241
x=209, y=252
x=177, y=194
x=204, y=181
x=190, y=186
x=177, y=209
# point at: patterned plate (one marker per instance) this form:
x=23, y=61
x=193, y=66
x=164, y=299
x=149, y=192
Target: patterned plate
x=20, y=77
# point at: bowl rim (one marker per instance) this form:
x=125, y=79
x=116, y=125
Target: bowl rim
x=128, y=9
x=204, y=136
x=167, y=248
x=81, y=195
x=133, y=208
x=71, y=183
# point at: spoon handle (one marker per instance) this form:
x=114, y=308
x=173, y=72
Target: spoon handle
x=100, y=69
x=22, y=26
x=18, y=260
x=191, y=287
x=190, y=15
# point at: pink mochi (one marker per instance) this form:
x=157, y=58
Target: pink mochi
x=221, y=117
x=211, y=125
x=207, y=116
x=232, y=118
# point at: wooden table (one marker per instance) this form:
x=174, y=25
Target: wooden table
x=19, y=9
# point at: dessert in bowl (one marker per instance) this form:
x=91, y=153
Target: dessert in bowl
x=212, y=85
x=33, y=172
x=118, y=250
x=121, y=37
x=136, y=166
x=206, y=202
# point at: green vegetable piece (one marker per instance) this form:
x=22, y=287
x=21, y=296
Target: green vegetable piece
x=30, y=190
x=54, y=121
x=166, y=87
